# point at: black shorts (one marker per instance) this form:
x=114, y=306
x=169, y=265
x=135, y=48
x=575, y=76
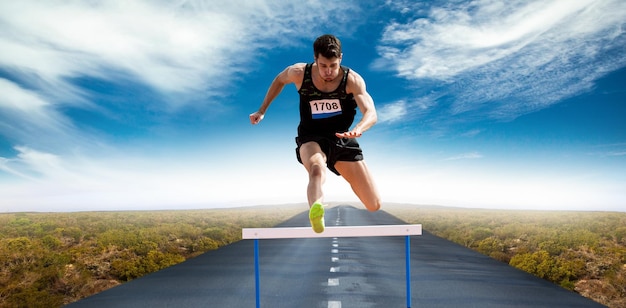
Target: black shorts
x=337, y=149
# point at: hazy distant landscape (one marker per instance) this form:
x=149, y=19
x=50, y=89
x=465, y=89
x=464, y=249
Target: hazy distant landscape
x=51, y=259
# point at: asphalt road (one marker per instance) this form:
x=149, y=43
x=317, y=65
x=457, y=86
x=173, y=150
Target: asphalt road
x=340, y=273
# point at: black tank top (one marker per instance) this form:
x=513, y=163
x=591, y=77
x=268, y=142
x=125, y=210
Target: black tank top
x=325, y=113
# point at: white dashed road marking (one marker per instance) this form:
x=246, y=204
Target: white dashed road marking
x=334, y=304
x=332, y=282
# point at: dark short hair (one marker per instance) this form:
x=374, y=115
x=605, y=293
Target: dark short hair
x=328, y=46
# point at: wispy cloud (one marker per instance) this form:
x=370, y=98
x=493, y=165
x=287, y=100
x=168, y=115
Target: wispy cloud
x=182, y=50
x=471, y=133
x=469, y=155
x=32, y=164
x=29, y=118
x=406, y=109
x=175, y=47
x=502, y=60
x=609, y=150
x=392, y=112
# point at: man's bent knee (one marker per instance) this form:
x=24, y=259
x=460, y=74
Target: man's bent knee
x=373, y=206
x=316, y=170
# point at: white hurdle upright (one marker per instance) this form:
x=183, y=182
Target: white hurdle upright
x=344, y=231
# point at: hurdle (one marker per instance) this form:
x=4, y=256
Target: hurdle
x=342, y=231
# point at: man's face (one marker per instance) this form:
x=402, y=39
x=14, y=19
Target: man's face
x=328, y=68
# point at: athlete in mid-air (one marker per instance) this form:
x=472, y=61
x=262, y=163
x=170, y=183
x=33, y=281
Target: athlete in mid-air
x=329, y=96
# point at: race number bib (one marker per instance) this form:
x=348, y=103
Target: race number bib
x=325, y=108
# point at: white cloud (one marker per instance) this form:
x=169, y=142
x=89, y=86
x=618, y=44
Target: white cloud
x=172, y=46
x=392, y=112
x=19, y=99
x=405, y=109
x=39, y=162
x=28, y=118
x=507, y=59
x=609, y=150
x=471, y=133
x=469, y=155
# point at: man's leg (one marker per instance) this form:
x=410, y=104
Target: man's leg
x=314, y=160
x=360, y=179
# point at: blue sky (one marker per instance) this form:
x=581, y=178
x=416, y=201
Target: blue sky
x=114, y=105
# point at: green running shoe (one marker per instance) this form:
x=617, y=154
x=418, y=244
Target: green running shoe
x=316, y=216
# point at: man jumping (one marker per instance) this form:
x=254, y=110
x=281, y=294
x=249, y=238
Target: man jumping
x=329, y=95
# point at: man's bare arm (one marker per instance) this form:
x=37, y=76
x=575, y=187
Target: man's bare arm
x=288, y=75
x=365, y=102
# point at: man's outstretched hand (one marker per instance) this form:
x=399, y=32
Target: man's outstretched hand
x=349, y=134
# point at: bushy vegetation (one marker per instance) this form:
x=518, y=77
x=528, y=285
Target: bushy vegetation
x=52, y=259
x=581, y=251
